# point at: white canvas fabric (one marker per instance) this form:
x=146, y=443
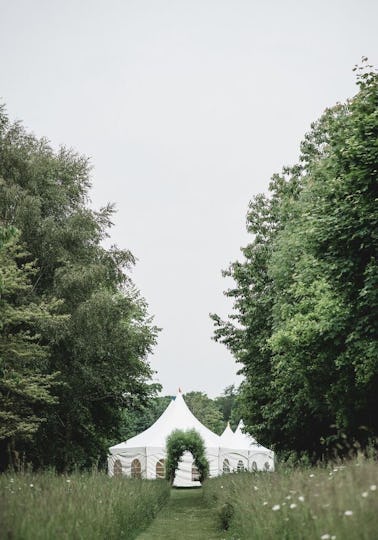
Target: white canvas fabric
x=140, y=455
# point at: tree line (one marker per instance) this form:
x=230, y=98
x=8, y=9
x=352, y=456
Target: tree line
x=74, y=330
x=213, y=413
x=304, y=319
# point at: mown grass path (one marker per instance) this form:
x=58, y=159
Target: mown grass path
x=185, y=517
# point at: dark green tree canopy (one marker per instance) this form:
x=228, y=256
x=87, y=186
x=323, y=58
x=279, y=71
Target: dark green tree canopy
x=304, y=325
x=100, y=351
x=206, y=410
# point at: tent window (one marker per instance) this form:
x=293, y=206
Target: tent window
x=160, y=469
x=254, y=466
x=266, y=466
x=240, y=467
x=226, y=466
x=117, y=468
x=195, y=473
x=136, y=469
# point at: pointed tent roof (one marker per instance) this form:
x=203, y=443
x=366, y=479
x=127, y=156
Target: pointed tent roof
x=247, y=440
x=242, y=440
x=227, y=437
x=176, y=416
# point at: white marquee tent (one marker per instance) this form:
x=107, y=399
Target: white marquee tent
x=143, y=456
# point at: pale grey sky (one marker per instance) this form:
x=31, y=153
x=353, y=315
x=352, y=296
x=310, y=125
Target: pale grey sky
x=186, y=109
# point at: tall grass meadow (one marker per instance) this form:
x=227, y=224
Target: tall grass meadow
x=334, y=503
x=92, y=506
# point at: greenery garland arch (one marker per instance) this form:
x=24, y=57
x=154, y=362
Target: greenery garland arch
x=180, y=441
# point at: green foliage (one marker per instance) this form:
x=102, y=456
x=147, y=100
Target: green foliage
x=295, y=504
x=94, y=506
x=206, y=410
x=100, y=351
x=179, y=442
x=304, y=325
x=26, y=387
x=228, y=404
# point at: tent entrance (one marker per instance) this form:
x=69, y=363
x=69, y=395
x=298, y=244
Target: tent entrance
x=187, y=474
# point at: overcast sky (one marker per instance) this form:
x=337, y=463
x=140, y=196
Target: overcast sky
x=186, y=109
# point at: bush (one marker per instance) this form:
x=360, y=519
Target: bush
x=91, y=506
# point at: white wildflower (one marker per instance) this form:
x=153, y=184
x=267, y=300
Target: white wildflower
x=288, y=497
x=68, y=480
x=265, y=503
x=11, y=480
x=348, y=513
x=276, y=507
x=221, y=487
x=333, y=537
x=373, y=487
x=325, y=536
x=312, y=475
x=255, y=488
x=293, y=505
x=301, y=498
x=364, y=494
x=31, y=485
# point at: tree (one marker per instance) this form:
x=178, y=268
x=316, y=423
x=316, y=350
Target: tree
x=227, y=404
x=101, y=351
x=26, y=389
x=206, y=410
x=304, y=325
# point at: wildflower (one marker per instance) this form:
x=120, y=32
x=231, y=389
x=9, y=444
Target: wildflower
x=11, y=480
x=364, y=494
x=293, y=505
x=301, y=498
x=333, y=537
x=265, y=503
x=288, y=497
x=348, y=513
x=221, y=487
x=325, y=536
x=312, y=475
x=68, y=480
x=276, y=507
x=255, y=488
x=31, y=485
x=373, y=487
